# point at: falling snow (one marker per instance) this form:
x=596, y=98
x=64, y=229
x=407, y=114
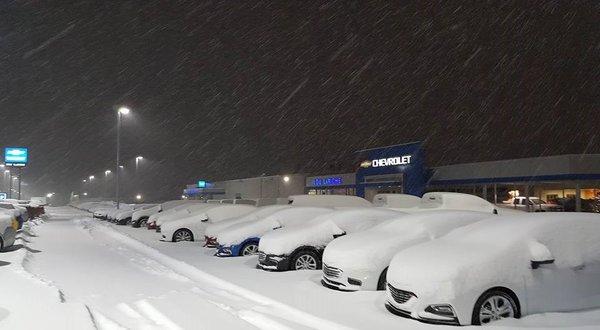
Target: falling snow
x=227, y=89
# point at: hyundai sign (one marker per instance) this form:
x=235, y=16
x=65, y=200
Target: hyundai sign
x=16, y=156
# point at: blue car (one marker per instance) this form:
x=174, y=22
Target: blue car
x=248, y=247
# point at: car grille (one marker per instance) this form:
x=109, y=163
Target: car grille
x=331, y=271
x=262, y=257
x=400, y=296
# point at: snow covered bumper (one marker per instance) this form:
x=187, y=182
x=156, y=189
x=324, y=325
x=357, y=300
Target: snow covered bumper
x=407, y=304
x=273, y=262
x=334, y=278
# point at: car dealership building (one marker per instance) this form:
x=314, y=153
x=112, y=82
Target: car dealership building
x=570, y=180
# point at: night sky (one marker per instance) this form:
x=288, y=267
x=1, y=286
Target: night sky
x=231, y=89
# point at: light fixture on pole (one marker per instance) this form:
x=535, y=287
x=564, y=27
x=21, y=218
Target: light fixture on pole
x=107, y=172
x=122, y=111
x=137, y=161
x=138, y=197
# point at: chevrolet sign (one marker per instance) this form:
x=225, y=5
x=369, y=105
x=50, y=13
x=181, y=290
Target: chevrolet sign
x=393, y=161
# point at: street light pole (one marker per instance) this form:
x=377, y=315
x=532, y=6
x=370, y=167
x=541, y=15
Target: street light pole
x=122, y=111
x=118, y=152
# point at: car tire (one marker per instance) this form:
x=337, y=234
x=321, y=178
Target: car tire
x=249, y=249
x=183, y=235
x=1, y=244
x=382, y=283
x=493, y=305
x=143, y=222
x=306, y=260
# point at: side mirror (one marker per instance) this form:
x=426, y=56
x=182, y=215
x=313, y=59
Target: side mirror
x=540, y=255
x=204, y=220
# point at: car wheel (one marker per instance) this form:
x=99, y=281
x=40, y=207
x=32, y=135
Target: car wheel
x=1, y=244
x=143, y=222
x=382, y=283
x=183, y=235
x=249, y=249
x=494, y=305
x=306, y=260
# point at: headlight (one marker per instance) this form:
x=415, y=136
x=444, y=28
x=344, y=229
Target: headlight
x=441, y=310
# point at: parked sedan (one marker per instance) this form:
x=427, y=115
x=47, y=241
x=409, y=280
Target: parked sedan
x=242, y=239
x=8, y=228
x=495, y=269
x=359, y=261
x=301, y=246
x=192, y=227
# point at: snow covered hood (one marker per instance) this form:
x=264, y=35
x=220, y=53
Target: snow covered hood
x=240, y=232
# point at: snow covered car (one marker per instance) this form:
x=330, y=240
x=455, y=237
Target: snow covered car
x=454, y=201
x=19, y=213
x=180, y=210
x=514, y=266
x=301, y=246
x=102, y=212
x=242, y=239
x=124, y=217
x=189, y=228
x=359, y=261
x=187, y=211
x=8, y=228
x=210, y=234
x=140, y=217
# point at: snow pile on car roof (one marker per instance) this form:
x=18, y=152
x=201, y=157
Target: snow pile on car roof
x=214, y=228
x=319, y=231
x=240, y=232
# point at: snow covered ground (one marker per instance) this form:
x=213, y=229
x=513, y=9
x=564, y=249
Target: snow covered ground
x=74, y=272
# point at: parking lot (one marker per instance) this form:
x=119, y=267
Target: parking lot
x=126, y=277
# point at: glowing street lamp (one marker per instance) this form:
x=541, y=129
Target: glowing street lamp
x=107, y=172
x=286, y=179
x=84, y=194
x=137, y=161
x=138, y=197
x=92, y=177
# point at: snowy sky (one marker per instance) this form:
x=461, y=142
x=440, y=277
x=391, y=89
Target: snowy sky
x=227, y=89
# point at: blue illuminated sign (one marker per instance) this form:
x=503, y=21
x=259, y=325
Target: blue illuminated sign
x=3, y=196
x=202, y=184
x=329, y=181
x=16, y=156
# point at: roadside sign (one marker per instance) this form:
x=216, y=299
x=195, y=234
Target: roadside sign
x=3, y=196
x=16, y=156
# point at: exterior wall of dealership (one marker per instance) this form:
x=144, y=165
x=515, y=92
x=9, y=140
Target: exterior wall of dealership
x=572, y=181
